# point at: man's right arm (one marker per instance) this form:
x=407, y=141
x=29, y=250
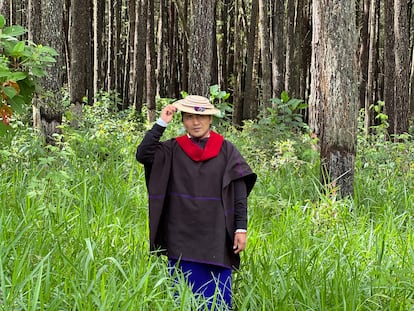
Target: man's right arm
x=146, y=149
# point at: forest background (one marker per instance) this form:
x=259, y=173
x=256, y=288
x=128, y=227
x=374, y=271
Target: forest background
x=73, y=211
x=337, y=57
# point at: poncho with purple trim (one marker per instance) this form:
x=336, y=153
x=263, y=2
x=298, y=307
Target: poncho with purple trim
x=191, y=203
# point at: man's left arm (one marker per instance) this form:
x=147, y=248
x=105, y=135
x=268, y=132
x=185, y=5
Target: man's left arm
x=240, y=215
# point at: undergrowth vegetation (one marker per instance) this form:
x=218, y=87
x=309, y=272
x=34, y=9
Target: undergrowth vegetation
x=74, y=231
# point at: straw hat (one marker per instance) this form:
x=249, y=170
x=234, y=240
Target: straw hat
x=196, y=105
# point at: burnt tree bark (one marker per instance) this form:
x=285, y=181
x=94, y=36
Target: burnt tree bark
x=334, y=91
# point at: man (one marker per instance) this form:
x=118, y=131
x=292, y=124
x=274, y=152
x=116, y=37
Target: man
x=198, y=186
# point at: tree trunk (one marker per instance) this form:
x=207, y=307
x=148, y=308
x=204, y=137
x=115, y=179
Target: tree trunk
x=290, y=74
x=412, y=60
x=98, y=54
x=238, y=68
x=185, y=51
x=50, y=104
x=140, y=56
x=201, y=46
x=389, y=64
x=161, y=36
x=402, y=65
x=229, y=74
x=11, y=10
x=412, y=82
x=79, y=45
x=278, y=48
x=264, y=35
x=35, y=31
x=303, y=53
x=110, y=48
x=5, y=11
x=363, y=52
x=129, y=55
x=34, y=20
x=171, y=58
x=225, y=52
x=117, y=48
x=370, y=94
x=334, y=91
x=18, y=11
x=214, y=57
x=249, y=89
x=151, y=61
x=133, y=35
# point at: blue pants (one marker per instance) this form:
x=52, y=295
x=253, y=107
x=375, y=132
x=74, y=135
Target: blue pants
x=213, y=282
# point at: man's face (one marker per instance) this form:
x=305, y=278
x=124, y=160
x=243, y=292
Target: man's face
x=198, y=126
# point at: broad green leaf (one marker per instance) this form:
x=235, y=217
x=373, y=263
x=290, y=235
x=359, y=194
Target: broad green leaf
x=38, y=72
x=9, y=91
x=17, y=76
x=276, y=101
x=17, y=103
x=214, y=89
x=2, y=21
x=48, y=59
x=303, y=105
x=47, y=50
x=27, y=88
x=4, y=64
x=14, y=31
x=6, y=38
x=293, y=103
x=4, y=73
x=8, y=47
x=18, y=49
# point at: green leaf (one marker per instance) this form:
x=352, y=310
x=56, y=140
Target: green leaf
x=4, y=128
x=284, y=97
x=2, y=21
x=17, y=103
x=38, y=72
x=6, y=38
x=276, y=101
x=293, y=103
x=48, y=59
x=17, y=76
x=18, y=49
x=9, y=91
x=27, y=87
x=5, y=73
x=214, y=89
x=46, y=50
x=14, y=31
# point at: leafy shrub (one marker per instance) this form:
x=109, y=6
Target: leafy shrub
x=284, y=115
x=21, y=64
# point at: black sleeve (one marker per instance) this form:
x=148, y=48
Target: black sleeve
x=240, y=204
x=146, y=149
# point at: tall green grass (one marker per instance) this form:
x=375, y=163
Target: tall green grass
x=74, y=227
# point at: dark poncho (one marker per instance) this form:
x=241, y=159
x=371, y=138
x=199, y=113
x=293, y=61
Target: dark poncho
x=191, y=203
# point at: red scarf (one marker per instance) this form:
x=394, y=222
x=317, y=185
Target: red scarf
x=195, y=152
